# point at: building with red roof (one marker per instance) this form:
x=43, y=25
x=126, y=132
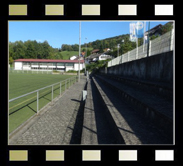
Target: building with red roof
x=48, y=64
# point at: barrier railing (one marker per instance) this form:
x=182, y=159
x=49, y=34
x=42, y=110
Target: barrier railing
x=34, y=101
x=33, y=71
x=163, y=43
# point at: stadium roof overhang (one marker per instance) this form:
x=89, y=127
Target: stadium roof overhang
x=48, y=60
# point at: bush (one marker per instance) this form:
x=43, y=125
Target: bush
x=71, y=71
x=55, y=71
x=96, y=65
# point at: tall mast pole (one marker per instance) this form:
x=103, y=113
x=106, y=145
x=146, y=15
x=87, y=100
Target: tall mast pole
x=79, y=49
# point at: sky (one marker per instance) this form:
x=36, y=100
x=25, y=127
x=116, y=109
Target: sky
x=67, y=32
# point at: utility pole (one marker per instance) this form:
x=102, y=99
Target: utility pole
x=85, y=55
x=79, y=49
x=137, y=48
x=144, y=35
x=148, y=40
x=118, y=48
x=122, y=50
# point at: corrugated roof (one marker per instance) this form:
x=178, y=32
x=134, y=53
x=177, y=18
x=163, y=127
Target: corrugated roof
x=47, y=60
x=95, y=50
x=93, y=56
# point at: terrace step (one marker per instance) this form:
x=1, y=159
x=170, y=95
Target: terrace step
x=96, y=126
x=133, y=128
x=154, y=107
x=89, y=130
x=163, y=89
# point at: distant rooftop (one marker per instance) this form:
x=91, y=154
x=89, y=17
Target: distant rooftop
x=47, y=60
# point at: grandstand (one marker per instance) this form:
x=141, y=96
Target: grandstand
x=48, y=64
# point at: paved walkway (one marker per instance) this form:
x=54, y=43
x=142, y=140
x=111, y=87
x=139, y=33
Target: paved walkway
x=55, y=126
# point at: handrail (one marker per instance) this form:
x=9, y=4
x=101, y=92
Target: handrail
x=166, y=39
x=38, y=90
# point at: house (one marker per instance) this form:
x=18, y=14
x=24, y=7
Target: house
x=92, y=58
x=154, y=31
x=107, y=49
x=82, y=54
x=95, y=51
x=73, y=57
x=104, y=56
x=95, y=57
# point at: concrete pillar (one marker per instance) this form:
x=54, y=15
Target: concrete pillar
x=136, y=53
x=172, y=40
x=150, y=48
x=105, y=70
x=128, y=56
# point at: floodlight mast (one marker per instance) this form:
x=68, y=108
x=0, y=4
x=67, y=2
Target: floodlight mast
x=79, y=50
x=85, y=55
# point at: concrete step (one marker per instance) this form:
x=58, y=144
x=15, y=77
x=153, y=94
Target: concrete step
x=96, y=126
x=153, y=107
x=133, y=128
x=89, y=131
x=159, y=88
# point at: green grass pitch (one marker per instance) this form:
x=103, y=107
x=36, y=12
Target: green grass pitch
x=21, y=83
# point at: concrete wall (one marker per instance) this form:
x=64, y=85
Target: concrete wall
x=157, y=68
x=18, y=65
x=76, y=66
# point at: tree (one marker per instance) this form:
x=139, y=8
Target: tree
x=88, y=52
x=30, y=51
x=58, y=55
x=19, y=50
x=10, y=60
x=101, y=48
x=11, y=50
x=46, y=50
x=75, y=47
x=153, y=37
x=112, y=43
x=166, y=28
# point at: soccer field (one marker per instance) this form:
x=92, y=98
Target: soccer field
x=21, y=83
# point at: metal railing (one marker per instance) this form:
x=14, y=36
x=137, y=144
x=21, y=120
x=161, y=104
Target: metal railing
x=30, y=105
x=159, y=45
x=33, y=71
x=67, y=81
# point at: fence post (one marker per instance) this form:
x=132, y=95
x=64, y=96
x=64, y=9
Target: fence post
x=60, y=87
x=150, y=48
x=136, y=53
x=37, y=102
x=171, y=40
x=52, y=95
x=65, y=85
